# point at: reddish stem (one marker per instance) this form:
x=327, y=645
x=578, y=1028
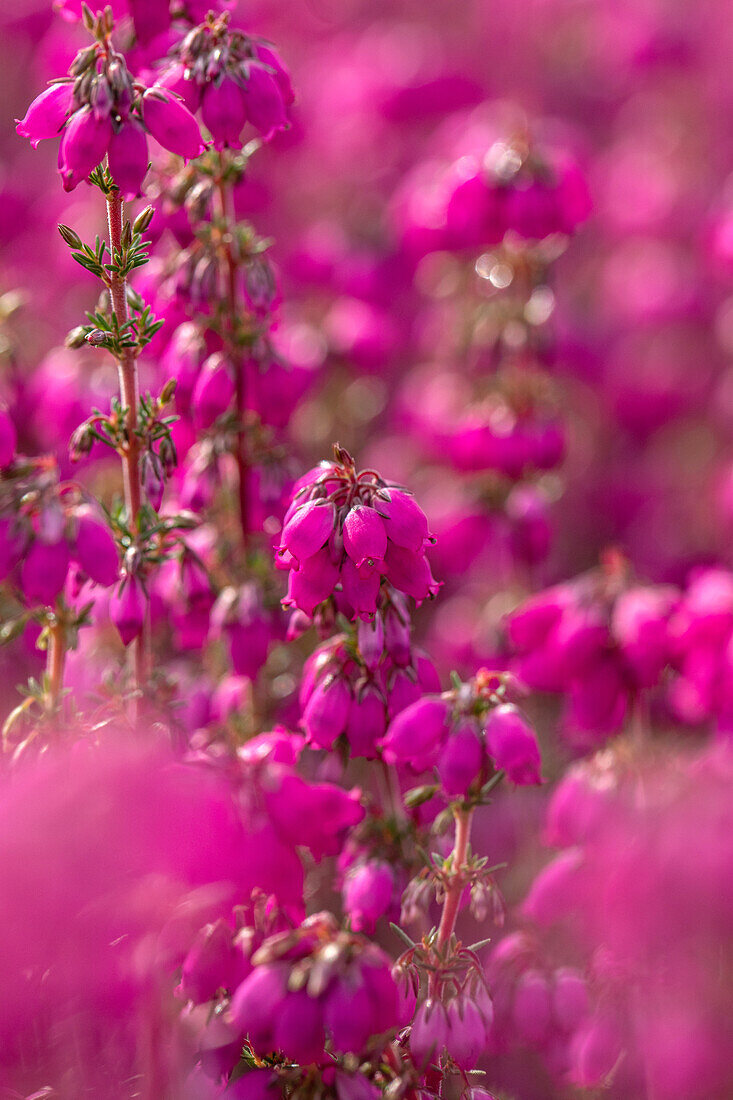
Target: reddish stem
x=127, y=372
x=456, y=886
x=240, y=449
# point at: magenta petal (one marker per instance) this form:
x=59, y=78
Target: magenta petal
x=128, y=159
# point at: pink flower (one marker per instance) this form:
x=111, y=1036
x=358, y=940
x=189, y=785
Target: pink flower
x=224, y=113
x=44, y=570
x=417, y=733
x=264, y=101
x=213, y=392
x=128, y=158
x=308, y=529
x=127, y=608
x=171, y=123
x=47, y=113
x=84, y=144
x=326, y=712
x=367, y=892
x=94, y=548
x=513, y=745
x=365, y=537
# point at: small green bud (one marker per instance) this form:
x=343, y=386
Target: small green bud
x=143, y=220
x=70, y=237
x=77, y=337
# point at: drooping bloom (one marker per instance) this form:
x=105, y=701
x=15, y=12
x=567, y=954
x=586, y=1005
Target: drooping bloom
x=103, y=113
x=350, y=530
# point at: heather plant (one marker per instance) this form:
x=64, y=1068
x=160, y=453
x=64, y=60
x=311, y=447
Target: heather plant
x=294, y=731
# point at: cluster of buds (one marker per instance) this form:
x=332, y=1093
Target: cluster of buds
x=510, y=426
x=496, y=187
x=547, y=1008
x=45, y=528
x=600, y=639
x=344, y=532
x=317, y=988
x=99, y=110
x=240, y=617
x=468, y=734
x=354, y=684
x=452, y=1024
x=233, y=78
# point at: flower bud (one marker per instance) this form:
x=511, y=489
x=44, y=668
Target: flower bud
x=70, y=236
x=213, y=963
x=467, y=1032
x=570, y=1002
x=223, y=112
x=128, y=159
x=47, y=113
x=308, y=529
x=416, y=734
x=532, y=1006
x=366, y=724
x=84, y=144
x=257, y=1003
x=299, y=1030
x=429, y=1033
x=367, y=893
x=263, y=100
x=213, y=392
x=513, y=745
x=460, y=760
x=365, y=537
x=153, y=482
x=127, y=609
x=326, y=712
x=171, y=124
x=44, y=570
x=404, y=519
x=143, y=220
x=94, y=548
x=370, y=639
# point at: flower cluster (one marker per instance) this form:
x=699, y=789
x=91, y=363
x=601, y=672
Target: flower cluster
x=316, y=987
x=233, y=78
x=599, y=639
x=468, y=735
x=355, y=685
x=344, y=532
x=101, y=111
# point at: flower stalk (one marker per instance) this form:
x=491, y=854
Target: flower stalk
x=129, y=395
x=225, y=211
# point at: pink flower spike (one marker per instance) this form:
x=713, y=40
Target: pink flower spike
x=46, y=114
